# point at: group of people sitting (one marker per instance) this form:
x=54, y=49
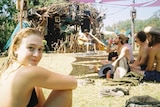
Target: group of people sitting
x=121, y=60
x=150, y=69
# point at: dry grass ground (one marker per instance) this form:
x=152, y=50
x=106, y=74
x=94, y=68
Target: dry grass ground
x=88, y=95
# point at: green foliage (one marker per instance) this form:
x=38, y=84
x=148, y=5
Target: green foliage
x=7, y=23
x=7, y=14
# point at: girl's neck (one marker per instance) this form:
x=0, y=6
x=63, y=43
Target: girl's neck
x=11, y=68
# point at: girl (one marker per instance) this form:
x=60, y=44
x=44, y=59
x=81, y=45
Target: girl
x=21, y=79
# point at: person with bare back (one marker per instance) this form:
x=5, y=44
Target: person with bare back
x=120, y=63
x=152, y=71
x=142, y=58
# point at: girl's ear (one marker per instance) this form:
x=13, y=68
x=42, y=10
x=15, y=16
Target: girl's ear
x=15, y=51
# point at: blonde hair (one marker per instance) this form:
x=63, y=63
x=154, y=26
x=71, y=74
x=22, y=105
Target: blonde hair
x=23, y=33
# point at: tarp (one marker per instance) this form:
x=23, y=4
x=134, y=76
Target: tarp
x=96, y=1
x=151, y=3
x=133, y=4
x=156, y=3
x=24, y=25
x=111, y=0
x=86, y=1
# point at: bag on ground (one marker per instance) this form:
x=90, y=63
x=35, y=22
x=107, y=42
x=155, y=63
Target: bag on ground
x=142, y=101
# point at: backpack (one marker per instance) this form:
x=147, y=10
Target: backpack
x=142, y=101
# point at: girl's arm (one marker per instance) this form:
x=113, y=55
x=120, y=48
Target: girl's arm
x=45, y=78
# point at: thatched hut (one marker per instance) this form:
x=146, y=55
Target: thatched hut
x=58, y=20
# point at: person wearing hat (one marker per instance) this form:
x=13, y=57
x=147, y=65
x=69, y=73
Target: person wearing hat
x=120, y=64
x=152, y=71
x=86, y=40
x=125, y=56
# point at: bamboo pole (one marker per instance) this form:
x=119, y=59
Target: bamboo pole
x=97, y=40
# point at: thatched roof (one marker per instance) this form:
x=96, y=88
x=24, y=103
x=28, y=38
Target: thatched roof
x=63, y=8
x=67, y=9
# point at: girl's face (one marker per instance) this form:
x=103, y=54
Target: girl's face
x=30, y=50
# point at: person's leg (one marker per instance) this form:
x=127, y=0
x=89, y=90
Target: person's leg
x=82, y=48
x=94, y=46
x=87, y=48
x=140, y=72
x=120, y=72
x=122, y=68
x=104, y=62
x=116, y=74
x=135, y=67
x=60, y=98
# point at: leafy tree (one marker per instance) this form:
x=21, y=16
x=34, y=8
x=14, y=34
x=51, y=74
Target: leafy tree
x=8, y=13
x=156, y=14
x=7, y=23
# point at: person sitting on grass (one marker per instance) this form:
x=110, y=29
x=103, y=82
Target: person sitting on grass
x=113, y=53
x=142, y=58
x=125, y=56
x=152, y=71
x=120, y=63
x=22, y=80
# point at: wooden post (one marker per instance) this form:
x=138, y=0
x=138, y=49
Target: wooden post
x=21, y=13
x=133, y=16
x=18, y=3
